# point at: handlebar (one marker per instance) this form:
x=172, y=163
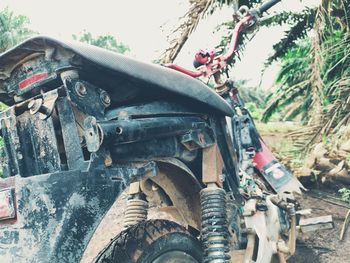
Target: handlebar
x=220, y=62
x=267, y=5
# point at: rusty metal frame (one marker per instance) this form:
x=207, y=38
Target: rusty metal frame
x=182, y=188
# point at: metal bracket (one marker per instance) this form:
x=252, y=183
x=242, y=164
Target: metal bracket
x=212, y=165
x=43, y=106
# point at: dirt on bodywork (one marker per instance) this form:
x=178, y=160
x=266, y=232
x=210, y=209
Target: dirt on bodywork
x=112, y=224
x=322, y=246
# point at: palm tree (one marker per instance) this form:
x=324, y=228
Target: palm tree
x=189, y=22
x=300, y=24
x=315, y=74
x=314, y=81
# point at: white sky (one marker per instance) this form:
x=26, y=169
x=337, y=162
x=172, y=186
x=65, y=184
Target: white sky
x=144, y=25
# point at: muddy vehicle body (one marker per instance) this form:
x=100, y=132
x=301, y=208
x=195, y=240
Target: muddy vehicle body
x=84, y=124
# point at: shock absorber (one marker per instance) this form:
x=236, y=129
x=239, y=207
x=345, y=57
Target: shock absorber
x=215, y=235
x=136, y=206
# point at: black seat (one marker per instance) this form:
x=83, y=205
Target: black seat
x=126, y=78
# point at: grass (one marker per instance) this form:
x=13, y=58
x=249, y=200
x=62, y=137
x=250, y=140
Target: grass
x=345, y=194
x=278, y=127
x=275, y=134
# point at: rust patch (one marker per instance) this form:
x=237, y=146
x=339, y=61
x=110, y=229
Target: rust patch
x=9, y=183
x=212, y=165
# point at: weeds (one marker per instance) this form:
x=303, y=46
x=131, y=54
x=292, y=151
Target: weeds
x=345, y=194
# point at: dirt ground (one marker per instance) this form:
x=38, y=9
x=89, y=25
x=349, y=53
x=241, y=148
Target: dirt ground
x=323, y=246
x=317, y=247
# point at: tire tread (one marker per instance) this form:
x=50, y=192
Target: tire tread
x=126, y=247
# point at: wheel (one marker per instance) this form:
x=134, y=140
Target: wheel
x=153, y=241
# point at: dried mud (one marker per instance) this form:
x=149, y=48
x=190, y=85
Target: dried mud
x=317, y=247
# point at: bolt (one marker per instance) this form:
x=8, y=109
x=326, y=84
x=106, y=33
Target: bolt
x=118, y=130
x=106, y=100
x=201, y=138
x=80, y=89
x=155, y=187
x=108, y=161
x=34, y=105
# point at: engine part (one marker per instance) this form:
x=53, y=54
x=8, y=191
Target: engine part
x=124, y=131
x=215, y=235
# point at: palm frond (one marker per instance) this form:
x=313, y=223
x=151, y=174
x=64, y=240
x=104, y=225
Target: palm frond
x=188, y=23
x=302, y=23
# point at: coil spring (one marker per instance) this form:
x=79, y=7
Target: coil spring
x=136, y=212
x=215, y=235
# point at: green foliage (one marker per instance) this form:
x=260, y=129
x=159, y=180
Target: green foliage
x=348, y=158
x=254, y=111
x=254, y=99
x=325, y=139
x=13, y=29
x=250, y=94
x=107, y=41
x=3, y=106
x=345, y=194
x=292, y=83
x=314, y=78
x=300, y=25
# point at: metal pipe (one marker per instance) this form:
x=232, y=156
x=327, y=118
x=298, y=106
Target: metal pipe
x=127, y=131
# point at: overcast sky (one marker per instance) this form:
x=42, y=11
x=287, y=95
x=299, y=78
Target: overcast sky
x=144, y=25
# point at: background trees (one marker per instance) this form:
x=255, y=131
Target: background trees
x=299, y=23
x=315, y=74
x=106, y=41
x=16, y=28
x=13, y=29
x=313, y=82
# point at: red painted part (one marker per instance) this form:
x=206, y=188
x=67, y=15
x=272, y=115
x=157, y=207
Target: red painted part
x=234, y=96
x=264, y=157
x=204, y=56
x=235, y=36
x=32, y=79
x=9, y=183
x=6, y=204
x=194, y=74
x=216, y=64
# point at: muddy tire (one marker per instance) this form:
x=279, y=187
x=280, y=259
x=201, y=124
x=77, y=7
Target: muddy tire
x=153, y=241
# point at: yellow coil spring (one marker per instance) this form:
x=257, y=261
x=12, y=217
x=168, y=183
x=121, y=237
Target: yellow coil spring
x=136, y=212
